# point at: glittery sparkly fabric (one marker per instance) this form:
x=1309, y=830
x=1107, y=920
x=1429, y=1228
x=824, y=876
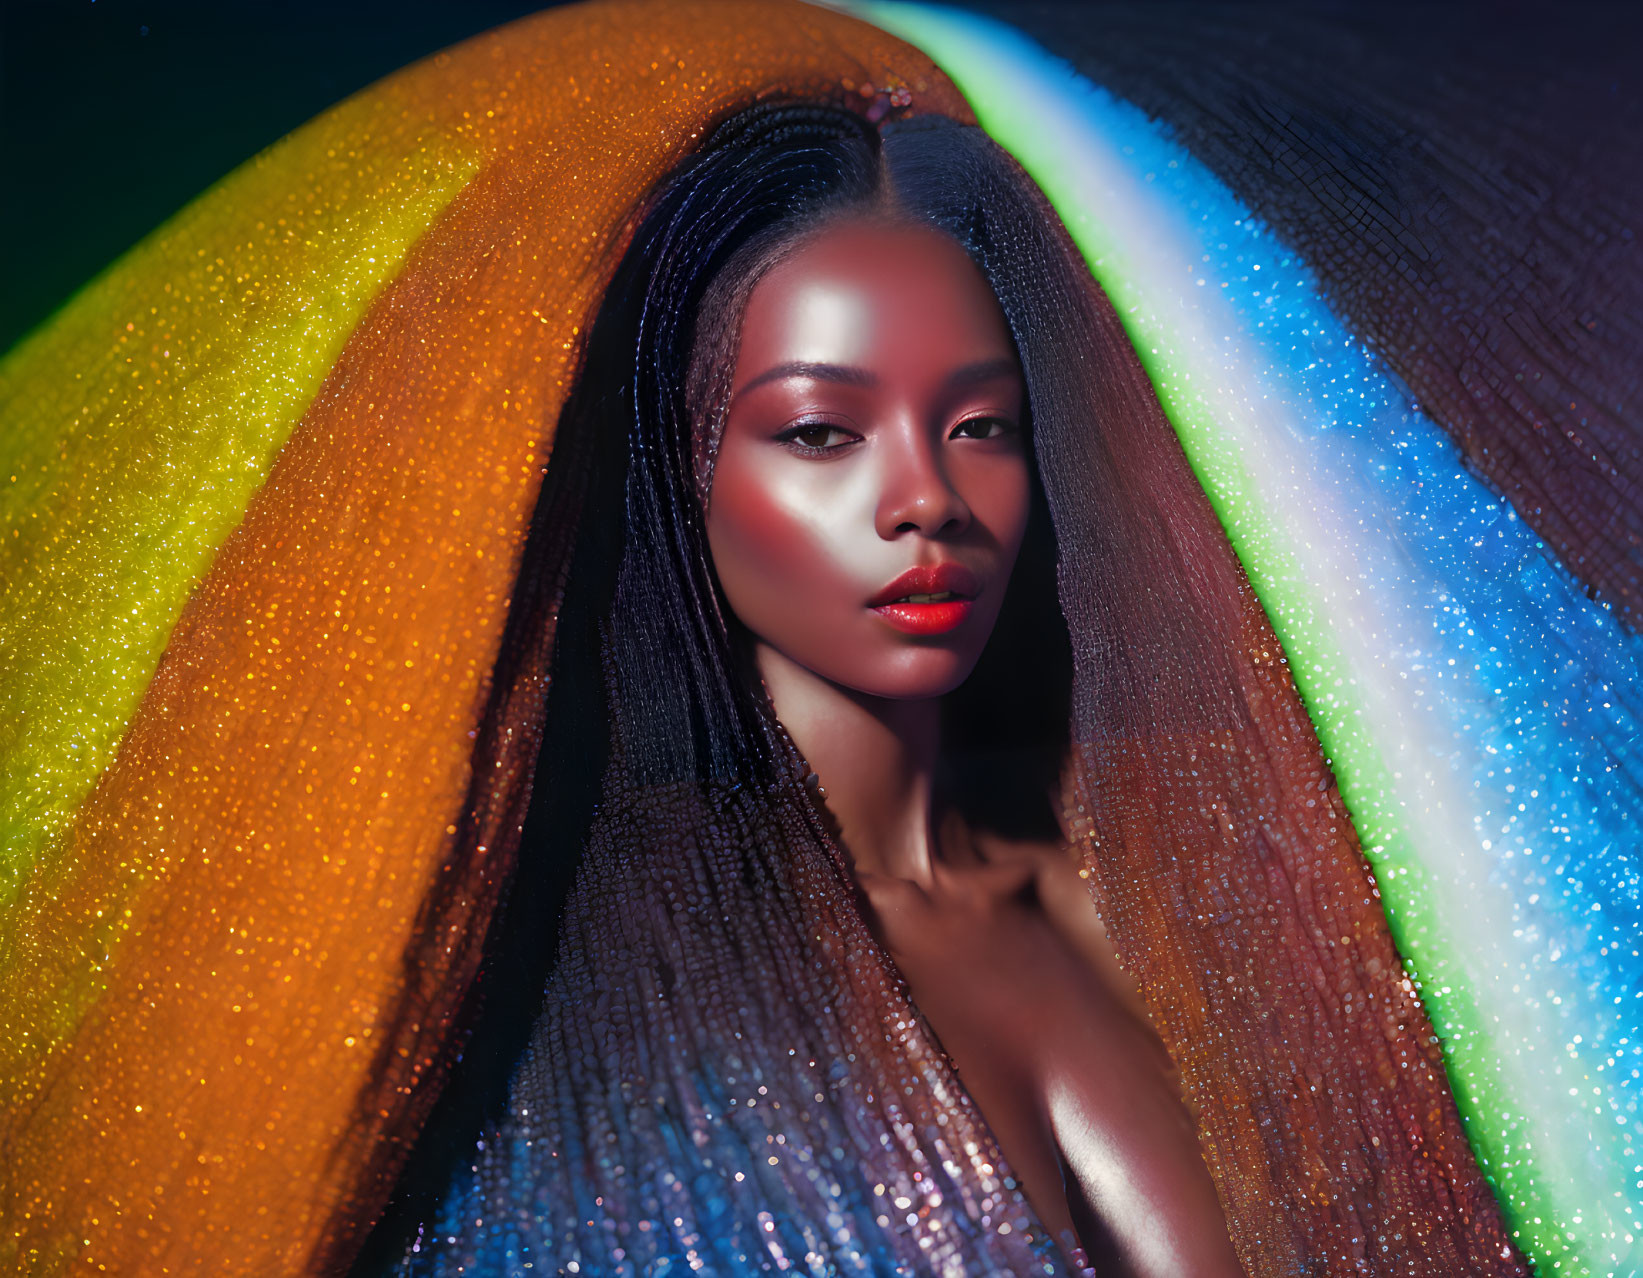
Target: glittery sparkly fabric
x=219, y=985
x=656, y=1121
x=252, y=877
x=727, y=1077
x=1476, y=689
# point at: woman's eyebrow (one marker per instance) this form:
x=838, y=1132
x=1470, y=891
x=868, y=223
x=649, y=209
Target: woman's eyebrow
x=981, y=371
x=984, y=371
x=850, y=376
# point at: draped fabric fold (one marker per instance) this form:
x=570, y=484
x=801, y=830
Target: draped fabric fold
x=234, y=955
x=241, y=954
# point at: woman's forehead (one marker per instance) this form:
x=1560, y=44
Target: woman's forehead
x=880, y=298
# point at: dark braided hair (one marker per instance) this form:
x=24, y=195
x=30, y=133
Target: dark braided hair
x=678, y=922
x=647, y=658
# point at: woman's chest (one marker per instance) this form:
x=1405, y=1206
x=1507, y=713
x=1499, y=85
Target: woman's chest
x=1077, y=1090
x=1012, y=1002
x=1003, y=974
x=997, y=979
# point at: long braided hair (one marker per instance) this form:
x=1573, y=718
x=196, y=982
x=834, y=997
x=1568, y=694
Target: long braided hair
x=687, y=1050
x=663, y=772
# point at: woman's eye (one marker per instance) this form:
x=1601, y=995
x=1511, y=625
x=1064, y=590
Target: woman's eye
x=982, y=428
x=816, y=436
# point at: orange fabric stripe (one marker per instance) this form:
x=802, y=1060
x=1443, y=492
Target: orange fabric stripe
x=256, y=857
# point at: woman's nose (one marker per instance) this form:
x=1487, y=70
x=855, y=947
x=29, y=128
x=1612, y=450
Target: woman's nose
x=916, y=493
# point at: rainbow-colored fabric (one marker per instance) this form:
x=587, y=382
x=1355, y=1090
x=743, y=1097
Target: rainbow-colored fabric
x=264, y=488
x=1481, y=711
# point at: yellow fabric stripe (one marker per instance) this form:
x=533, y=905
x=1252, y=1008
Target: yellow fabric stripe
x=136, y=424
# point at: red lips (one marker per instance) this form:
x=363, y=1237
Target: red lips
x=928, y=618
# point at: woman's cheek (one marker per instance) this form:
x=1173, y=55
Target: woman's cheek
x=775, y=559
x=998, y=490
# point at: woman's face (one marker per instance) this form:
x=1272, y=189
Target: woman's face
x=871, y=487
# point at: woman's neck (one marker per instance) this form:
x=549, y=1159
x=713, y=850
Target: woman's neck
x=876, y=758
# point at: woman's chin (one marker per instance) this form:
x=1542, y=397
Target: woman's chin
x=928, y=675
x=907, y=669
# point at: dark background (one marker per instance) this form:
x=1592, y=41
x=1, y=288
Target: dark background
x=115, y=113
